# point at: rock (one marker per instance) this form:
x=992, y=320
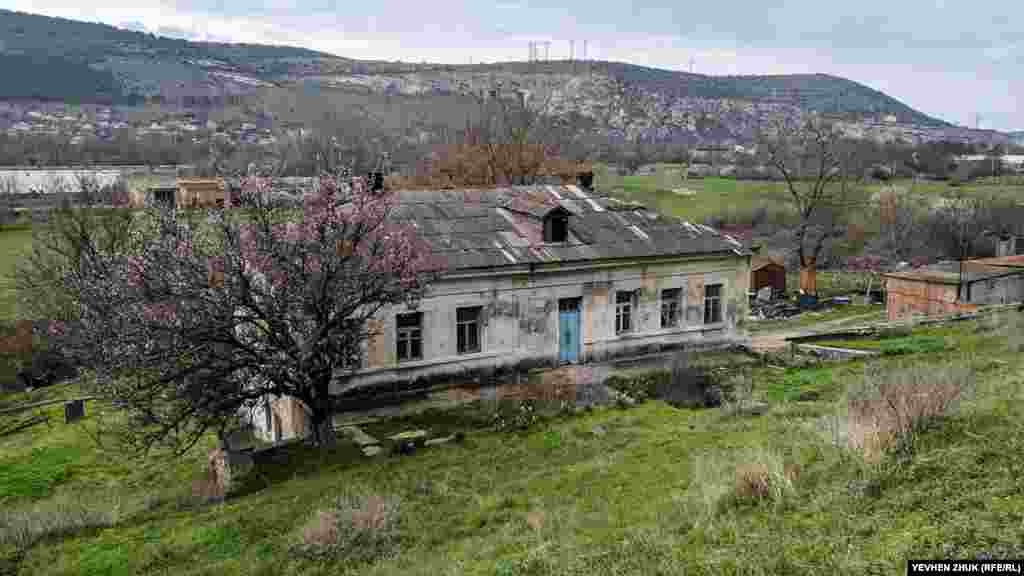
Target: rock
x=752, y=408
x=439, y=441
x=598, y=430
x=359, y=437
x=410, y=435
x=765, y=294
x=372, y=450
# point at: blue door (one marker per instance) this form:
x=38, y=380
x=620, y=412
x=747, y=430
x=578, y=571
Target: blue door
x=569, y=330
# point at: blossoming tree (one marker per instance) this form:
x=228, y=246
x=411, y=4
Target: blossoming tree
x=205, y=319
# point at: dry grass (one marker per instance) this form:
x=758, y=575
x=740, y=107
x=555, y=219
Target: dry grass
x=535, y=520
x=891, y=407
x=208, y=488
x=359, y=528
x=750, y=476
x=54, y=518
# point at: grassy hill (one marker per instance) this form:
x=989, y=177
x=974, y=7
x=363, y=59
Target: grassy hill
x=115, y=65
x=646, y=490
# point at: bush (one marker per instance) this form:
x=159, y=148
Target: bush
x=890, y=408
x=358, y=528
x=682, y=385
x=47, y=367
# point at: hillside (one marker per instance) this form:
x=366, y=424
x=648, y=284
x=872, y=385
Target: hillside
x=612, y=100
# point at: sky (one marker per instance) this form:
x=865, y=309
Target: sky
x=958, y=61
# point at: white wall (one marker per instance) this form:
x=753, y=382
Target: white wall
x=521, y=317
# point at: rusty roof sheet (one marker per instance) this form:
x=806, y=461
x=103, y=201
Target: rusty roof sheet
x=499, y=227
x=975, y=270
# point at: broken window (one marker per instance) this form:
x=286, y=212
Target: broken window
x=467, y=322
x=712, y=303
x=410, y=336
x=623, y=312
x=671, y=306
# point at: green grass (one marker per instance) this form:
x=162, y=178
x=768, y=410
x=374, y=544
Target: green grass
x=928, y=340
x=715, y=197
x=614, y=490
x=14, y=240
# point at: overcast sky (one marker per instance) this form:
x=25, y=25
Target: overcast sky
x=947, y=59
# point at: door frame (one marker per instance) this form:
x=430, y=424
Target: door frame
x=572, y=304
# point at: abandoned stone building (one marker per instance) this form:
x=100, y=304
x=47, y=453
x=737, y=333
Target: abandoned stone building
x=545, y=275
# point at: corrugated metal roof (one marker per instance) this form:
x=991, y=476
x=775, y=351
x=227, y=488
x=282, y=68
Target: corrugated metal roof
x=972, y=270
x=499, y=227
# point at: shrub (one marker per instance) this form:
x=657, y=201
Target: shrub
x=683, y=385
x=752, y=476
x=358, y=527
x=54, y=518
x=891, y=407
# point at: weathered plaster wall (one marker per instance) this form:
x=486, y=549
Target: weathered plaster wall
x=520, y=317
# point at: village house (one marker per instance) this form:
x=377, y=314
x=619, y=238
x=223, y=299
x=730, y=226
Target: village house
x=954, y=287
x=541, y=276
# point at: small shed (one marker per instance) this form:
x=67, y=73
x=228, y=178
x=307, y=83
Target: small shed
x=955, y=287
x=767, y=271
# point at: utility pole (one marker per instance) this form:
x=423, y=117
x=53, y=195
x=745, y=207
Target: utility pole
x=691, y=64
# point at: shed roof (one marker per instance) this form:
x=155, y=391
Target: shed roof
x=975, y=270
x=503, y=227
x=761, y=261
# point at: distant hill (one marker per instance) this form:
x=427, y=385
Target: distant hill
x=68, y=60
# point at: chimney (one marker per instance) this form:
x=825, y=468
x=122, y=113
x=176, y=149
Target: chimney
x=586, y=180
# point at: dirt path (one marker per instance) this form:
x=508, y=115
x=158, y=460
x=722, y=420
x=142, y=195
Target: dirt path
x=776, y=340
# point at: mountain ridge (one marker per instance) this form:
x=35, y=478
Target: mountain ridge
x=104, y=63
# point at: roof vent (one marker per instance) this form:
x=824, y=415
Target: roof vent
x=556, y=225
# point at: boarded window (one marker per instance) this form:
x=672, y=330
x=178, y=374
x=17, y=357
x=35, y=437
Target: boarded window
x=410, y=336
x=623, y=312
x=712, y=303
x=467, y=321
x=671, y=307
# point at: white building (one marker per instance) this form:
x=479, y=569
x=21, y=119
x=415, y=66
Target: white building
x=540, y=276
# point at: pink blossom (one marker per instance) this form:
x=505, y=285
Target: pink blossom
x=56, y=328
x=161, y=312
x=183, y=249
x=135, y=271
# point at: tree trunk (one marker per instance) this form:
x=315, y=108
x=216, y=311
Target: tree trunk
x=809, y=277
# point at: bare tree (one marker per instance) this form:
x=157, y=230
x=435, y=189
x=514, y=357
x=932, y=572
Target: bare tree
x=198, y=320
x=814, y=162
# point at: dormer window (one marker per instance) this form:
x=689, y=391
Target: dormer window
x=556, y=225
